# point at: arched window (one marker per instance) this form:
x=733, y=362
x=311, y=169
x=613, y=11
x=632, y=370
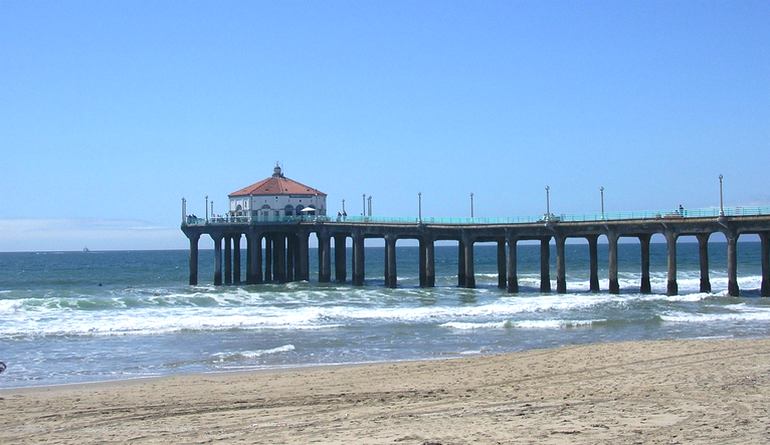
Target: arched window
x=289, y=210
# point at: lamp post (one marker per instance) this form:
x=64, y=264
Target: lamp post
x=471, y=204
x=548, y=202
x=369, y=200
x=207, y=208
x=184, y=210
x=212, y=208
x=601, y=190
x=363, y=207
x=721, y=197
x=419, y=207
x=343, y=206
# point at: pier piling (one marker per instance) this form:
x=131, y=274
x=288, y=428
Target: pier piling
x=545, y=265
x=593, y=261
x=703, y=256
x=644, y=241
x=511, y=267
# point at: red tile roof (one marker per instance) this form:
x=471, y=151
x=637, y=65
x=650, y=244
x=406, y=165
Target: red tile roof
x=277, y=185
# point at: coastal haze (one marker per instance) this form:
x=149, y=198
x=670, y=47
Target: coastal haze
x=122, y=123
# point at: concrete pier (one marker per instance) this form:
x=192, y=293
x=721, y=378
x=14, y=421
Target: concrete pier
x=501, y=265
x=359, y=273
x=217, y=260
x=430, y=262
x=237, y=258
x=340, y=258
x=561, y=271
x=470, y=276
x=268, y=258
x=460, y=264
x=764, y=238
x=194, y=259
x=390, y=261
x=732, y=264
x=612, y=257
x=593, y=263
x=284, y=256
x=644, y=241
x=324, y=258
x=703, y=257
x=511, y=266
x=672, y=288
x=545, y=264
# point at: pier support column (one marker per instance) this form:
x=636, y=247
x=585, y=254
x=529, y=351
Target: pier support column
x=358, y=260
x=430, y=262
x=545, y=264
x=510, y=266
x=303, y=266
x=644, y=241
x=612, y=257
x=421, y=265
x=764, y=238
x=501, y=265
x=732, y=264
x=390, y=261
x=340, y=258
x=672, y=288
x=237, y=258
x=249, y=258
x=194, y=259
x=561, y=270
x=703, y=253
x=461, y=264
x=324, y=258
x=254, y=258
x=268, y=258
x=217, y=260
x=291, y=257
x=470, y=276
x=593, y=260
x=279, y=258
x=228, y=259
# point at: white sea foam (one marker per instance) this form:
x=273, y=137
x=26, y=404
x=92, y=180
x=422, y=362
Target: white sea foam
x=229, y=356
x=523, y=324
x=739, y=314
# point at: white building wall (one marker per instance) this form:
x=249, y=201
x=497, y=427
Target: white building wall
x=271, y=206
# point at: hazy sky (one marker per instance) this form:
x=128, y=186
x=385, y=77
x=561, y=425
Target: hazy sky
x=112, y=111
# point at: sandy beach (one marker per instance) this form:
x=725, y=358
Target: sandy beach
x=699, y=391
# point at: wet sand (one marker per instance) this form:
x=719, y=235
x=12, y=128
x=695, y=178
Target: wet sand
x=699, y=391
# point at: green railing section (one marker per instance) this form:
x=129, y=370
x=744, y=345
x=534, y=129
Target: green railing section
x=588, y=217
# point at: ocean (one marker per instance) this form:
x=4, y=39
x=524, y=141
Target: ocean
x=70, y=317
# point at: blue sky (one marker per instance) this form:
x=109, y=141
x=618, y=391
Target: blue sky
x=111, y=112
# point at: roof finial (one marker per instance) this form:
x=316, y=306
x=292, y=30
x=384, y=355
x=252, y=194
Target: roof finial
x=277, y=171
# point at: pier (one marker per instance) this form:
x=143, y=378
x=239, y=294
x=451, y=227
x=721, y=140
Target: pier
x=277, y=250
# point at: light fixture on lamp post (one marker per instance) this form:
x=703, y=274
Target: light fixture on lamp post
x=601, y=190
x=721, y=196
x=419, y=207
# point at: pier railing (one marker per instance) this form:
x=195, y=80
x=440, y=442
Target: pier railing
x=587, y=217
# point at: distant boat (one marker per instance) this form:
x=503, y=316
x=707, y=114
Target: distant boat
x=85, y=250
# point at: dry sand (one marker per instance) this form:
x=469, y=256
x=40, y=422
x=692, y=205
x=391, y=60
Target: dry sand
x=700, y=391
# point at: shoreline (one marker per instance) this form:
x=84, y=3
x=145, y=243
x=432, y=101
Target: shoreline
x=320, y=366
x=670, y=391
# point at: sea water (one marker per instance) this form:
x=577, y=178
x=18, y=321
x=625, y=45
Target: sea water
x=69, y=317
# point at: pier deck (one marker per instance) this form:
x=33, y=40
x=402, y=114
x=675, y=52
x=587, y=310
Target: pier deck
x=277, y=250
